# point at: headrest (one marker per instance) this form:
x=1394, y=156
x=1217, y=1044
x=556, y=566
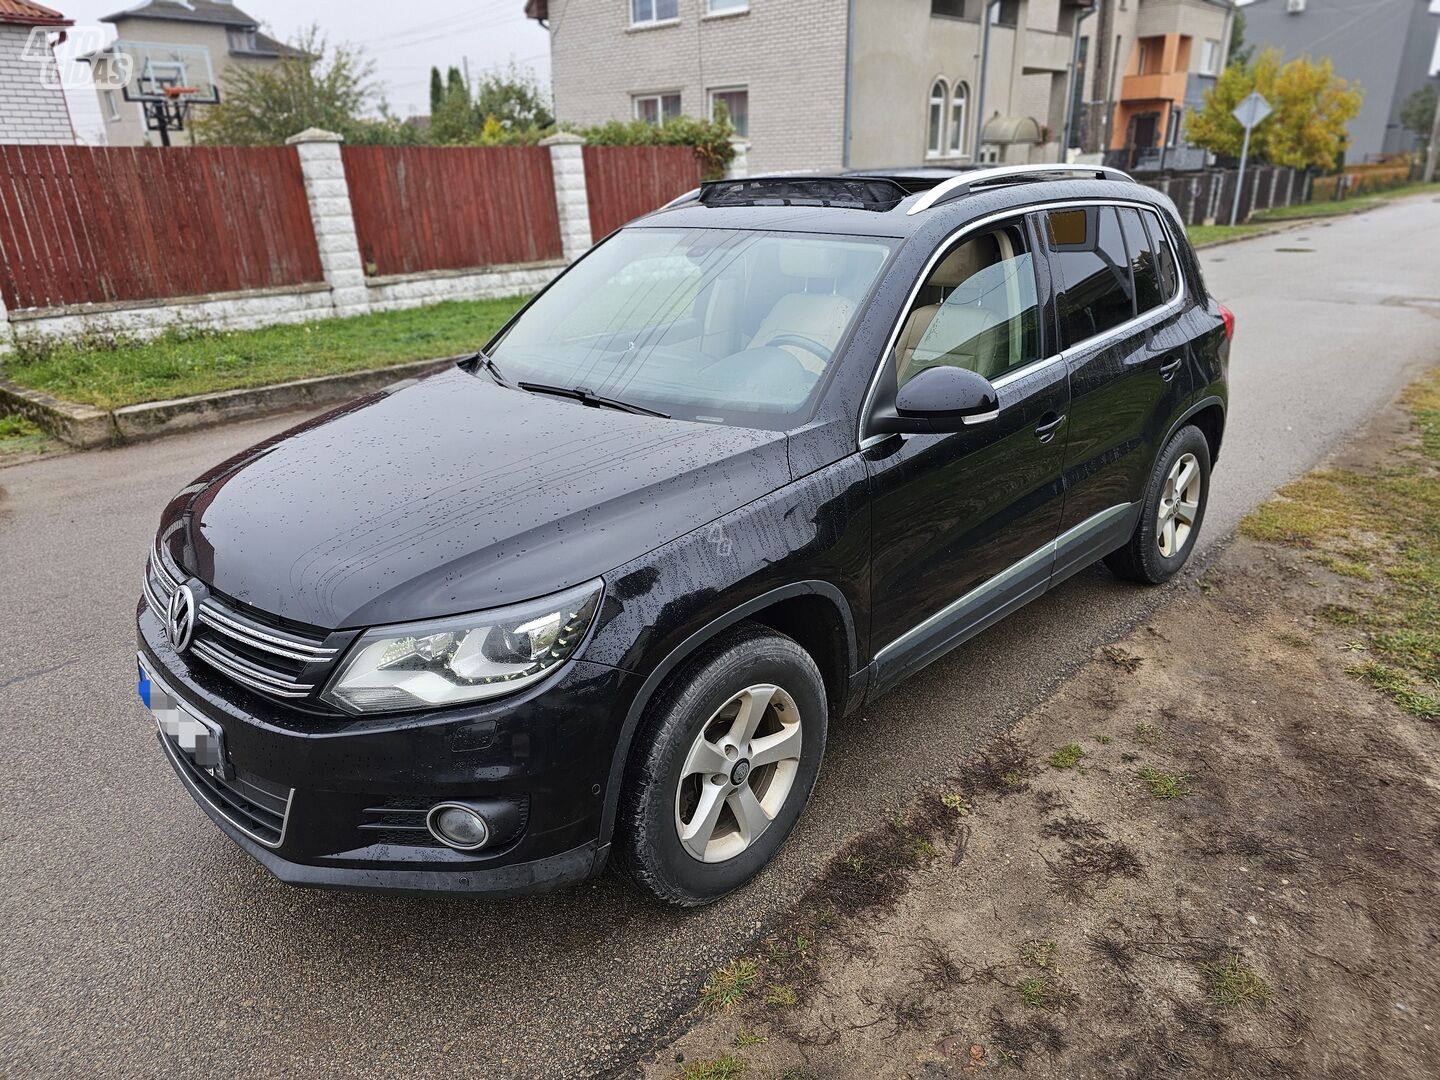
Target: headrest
x=803, y=260
x=966, y=261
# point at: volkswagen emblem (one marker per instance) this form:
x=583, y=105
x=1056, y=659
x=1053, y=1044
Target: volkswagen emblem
x=180, y=618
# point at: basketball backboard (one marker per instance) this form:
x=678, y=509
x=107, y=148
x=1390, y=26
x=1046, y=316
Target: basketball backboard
x=166, y=79
x=149, y=68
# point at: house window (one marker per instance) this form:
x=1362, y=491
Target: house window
x=112, y=105
x=939, y=98
x=643, y=12
x=736, y=103
x=241, y=39
x=1143, y=66
x=958, y=102
x=726, y=7
x=949, y=9
x=657, y=108
x=1210, y=57
x=1172, y=130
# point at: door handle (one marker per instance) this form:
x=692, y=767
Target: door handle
x=1169, y=368
x=1048, y=426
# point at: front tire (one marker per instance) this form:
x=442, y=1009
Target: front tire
x=1171, y=514
x=722, y=767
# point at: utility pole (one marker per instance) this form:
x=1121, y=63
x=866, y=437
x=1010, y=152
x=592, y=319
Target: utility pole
x=1074, y=90
x=1101, y=109
x=1433, y=150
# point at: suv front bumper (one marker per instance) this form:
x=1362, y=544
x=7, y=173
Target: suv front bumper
x=319, y=799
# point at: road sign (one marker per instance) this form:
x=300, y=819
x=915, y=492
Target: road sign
x=1249, y=112
x=1252, y=110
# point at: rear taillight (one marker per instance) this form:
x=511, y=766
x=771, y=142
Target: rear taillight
x=1229, y=317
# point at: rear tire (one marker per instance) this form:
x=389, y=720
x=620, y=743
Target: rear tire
x=706, y=804
x=1171, y=515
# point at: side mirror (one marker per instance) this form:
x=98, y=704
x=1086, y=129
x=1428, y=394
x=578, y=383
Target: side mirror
x=938, y=399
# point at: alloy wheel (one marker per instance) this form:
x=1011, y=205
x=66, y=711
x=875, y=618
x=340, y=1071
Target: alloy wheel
x=1179, y=505
x=738, y=773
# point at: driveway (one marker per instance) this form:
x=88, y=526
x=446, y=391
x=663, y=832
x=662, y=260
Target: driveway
x=137, y=940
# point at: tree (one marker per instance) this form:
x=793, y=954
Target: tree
x=327, y=88
x=1418, y=112
x=506, y=105
x=1307, y=127
x=437, y=90
x=1239, y=53
x=514, y=96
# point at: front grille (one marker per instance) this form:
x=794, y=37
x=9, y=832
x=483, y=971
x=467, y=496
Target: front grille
x=256, y=807
x=273, y=660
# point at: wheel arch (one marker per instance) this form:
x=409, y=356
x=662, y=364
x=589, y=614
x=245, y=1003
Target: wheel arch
x=815, y=613
x=1208, y=414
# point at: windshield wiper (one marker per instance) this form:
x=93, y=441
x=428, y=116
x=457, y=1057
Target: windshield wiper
x=589, y=397
x=481, y=359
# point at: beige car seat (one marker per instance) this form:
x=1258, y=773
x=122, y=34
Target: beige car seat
x=820, y=316
x=961, y=324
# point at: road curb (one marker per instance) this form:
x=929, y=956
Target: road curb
x=85, y=426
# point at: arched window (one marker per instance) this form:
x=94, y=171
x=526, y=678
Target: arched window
x=939, y=95
x=958, y=110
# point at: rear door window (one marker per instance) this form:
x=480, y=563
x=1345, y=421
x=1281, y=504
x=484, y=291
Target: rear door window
x=1096, y=291
x=1143, y=268
x=1164, y=255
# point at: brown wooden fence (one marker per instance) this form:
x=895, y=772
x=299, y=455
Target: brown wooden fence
x=452, y=207
x=82, y=224
x=624, y=182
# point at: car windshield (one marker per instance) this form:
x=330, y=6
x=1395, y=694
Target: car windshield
x=717, y=325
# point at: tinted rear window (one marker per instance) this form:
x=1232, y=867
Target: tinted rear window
x=1143, y=269
x=1165, y=254
x=1096, y=291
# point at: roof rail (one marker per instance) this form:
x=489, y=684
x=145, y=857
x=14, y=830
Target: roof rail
x=1004, y=174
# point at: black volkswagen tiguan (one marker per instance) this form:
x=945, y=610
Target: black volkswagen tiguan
x=596, y=592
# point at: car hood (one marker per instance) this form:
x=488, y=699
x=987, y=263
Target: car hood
x=452, y=494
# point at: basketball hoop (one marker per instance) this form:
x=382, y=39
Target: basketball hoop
x=163, y=82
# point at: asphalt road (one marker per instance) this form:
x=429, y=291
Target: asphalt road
x=137, y=940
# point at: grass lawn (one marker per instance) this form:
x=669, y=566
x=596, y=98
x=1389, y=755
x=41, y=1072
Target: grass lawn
x=19, y=436
x=1379, y=525
x=1208, y=234
x=112, y=372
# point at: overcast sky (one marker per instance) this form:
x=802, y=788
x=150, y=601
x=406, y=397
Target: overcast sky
x=487, y=33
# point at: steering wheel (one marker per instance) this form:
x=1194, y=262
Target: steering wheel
x=802, y=342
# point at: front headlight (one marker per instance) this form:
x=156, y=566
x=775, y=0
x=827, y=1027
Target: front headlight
x=463, y=658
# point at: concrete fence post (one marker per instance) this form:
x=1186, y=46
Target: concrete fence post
x=740, y=164
x=572, y=202
x=6, y=340
x=332, y=218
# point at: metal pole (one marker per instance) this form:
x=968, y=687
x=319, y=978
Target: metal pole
x=984, y=63
x=1070, y=90
x=1240, y=177
x=1433, y=150
x=849, y=80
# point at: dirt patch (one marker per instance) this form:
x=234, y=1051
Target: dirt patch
x=1214, y=852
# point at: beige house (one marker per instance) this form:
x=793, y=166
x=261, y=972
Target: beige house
x=823, y=84
x=193, y=42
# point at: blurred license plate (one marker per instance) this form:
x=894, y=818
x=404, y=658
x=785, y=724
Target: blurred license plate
x=200, y=740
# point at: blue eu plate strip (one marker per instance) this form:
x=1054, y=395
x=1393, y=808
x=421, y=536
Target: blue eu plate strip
x=143, y=684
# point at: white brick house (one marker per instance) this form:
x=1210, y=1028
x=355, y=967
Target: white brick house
x=823, y=84
x=32, y=104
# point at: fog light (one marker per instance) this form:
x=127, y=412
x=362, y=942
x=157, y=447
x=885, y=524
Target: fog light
x=458, y=826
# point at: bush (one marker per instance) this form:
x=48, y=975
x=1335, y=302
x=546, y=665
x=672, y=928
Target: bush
x=709, y=138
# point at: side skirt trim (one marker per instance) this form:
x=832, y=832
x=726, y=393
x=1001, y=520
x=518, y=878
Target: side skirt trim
x=1010, y=589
